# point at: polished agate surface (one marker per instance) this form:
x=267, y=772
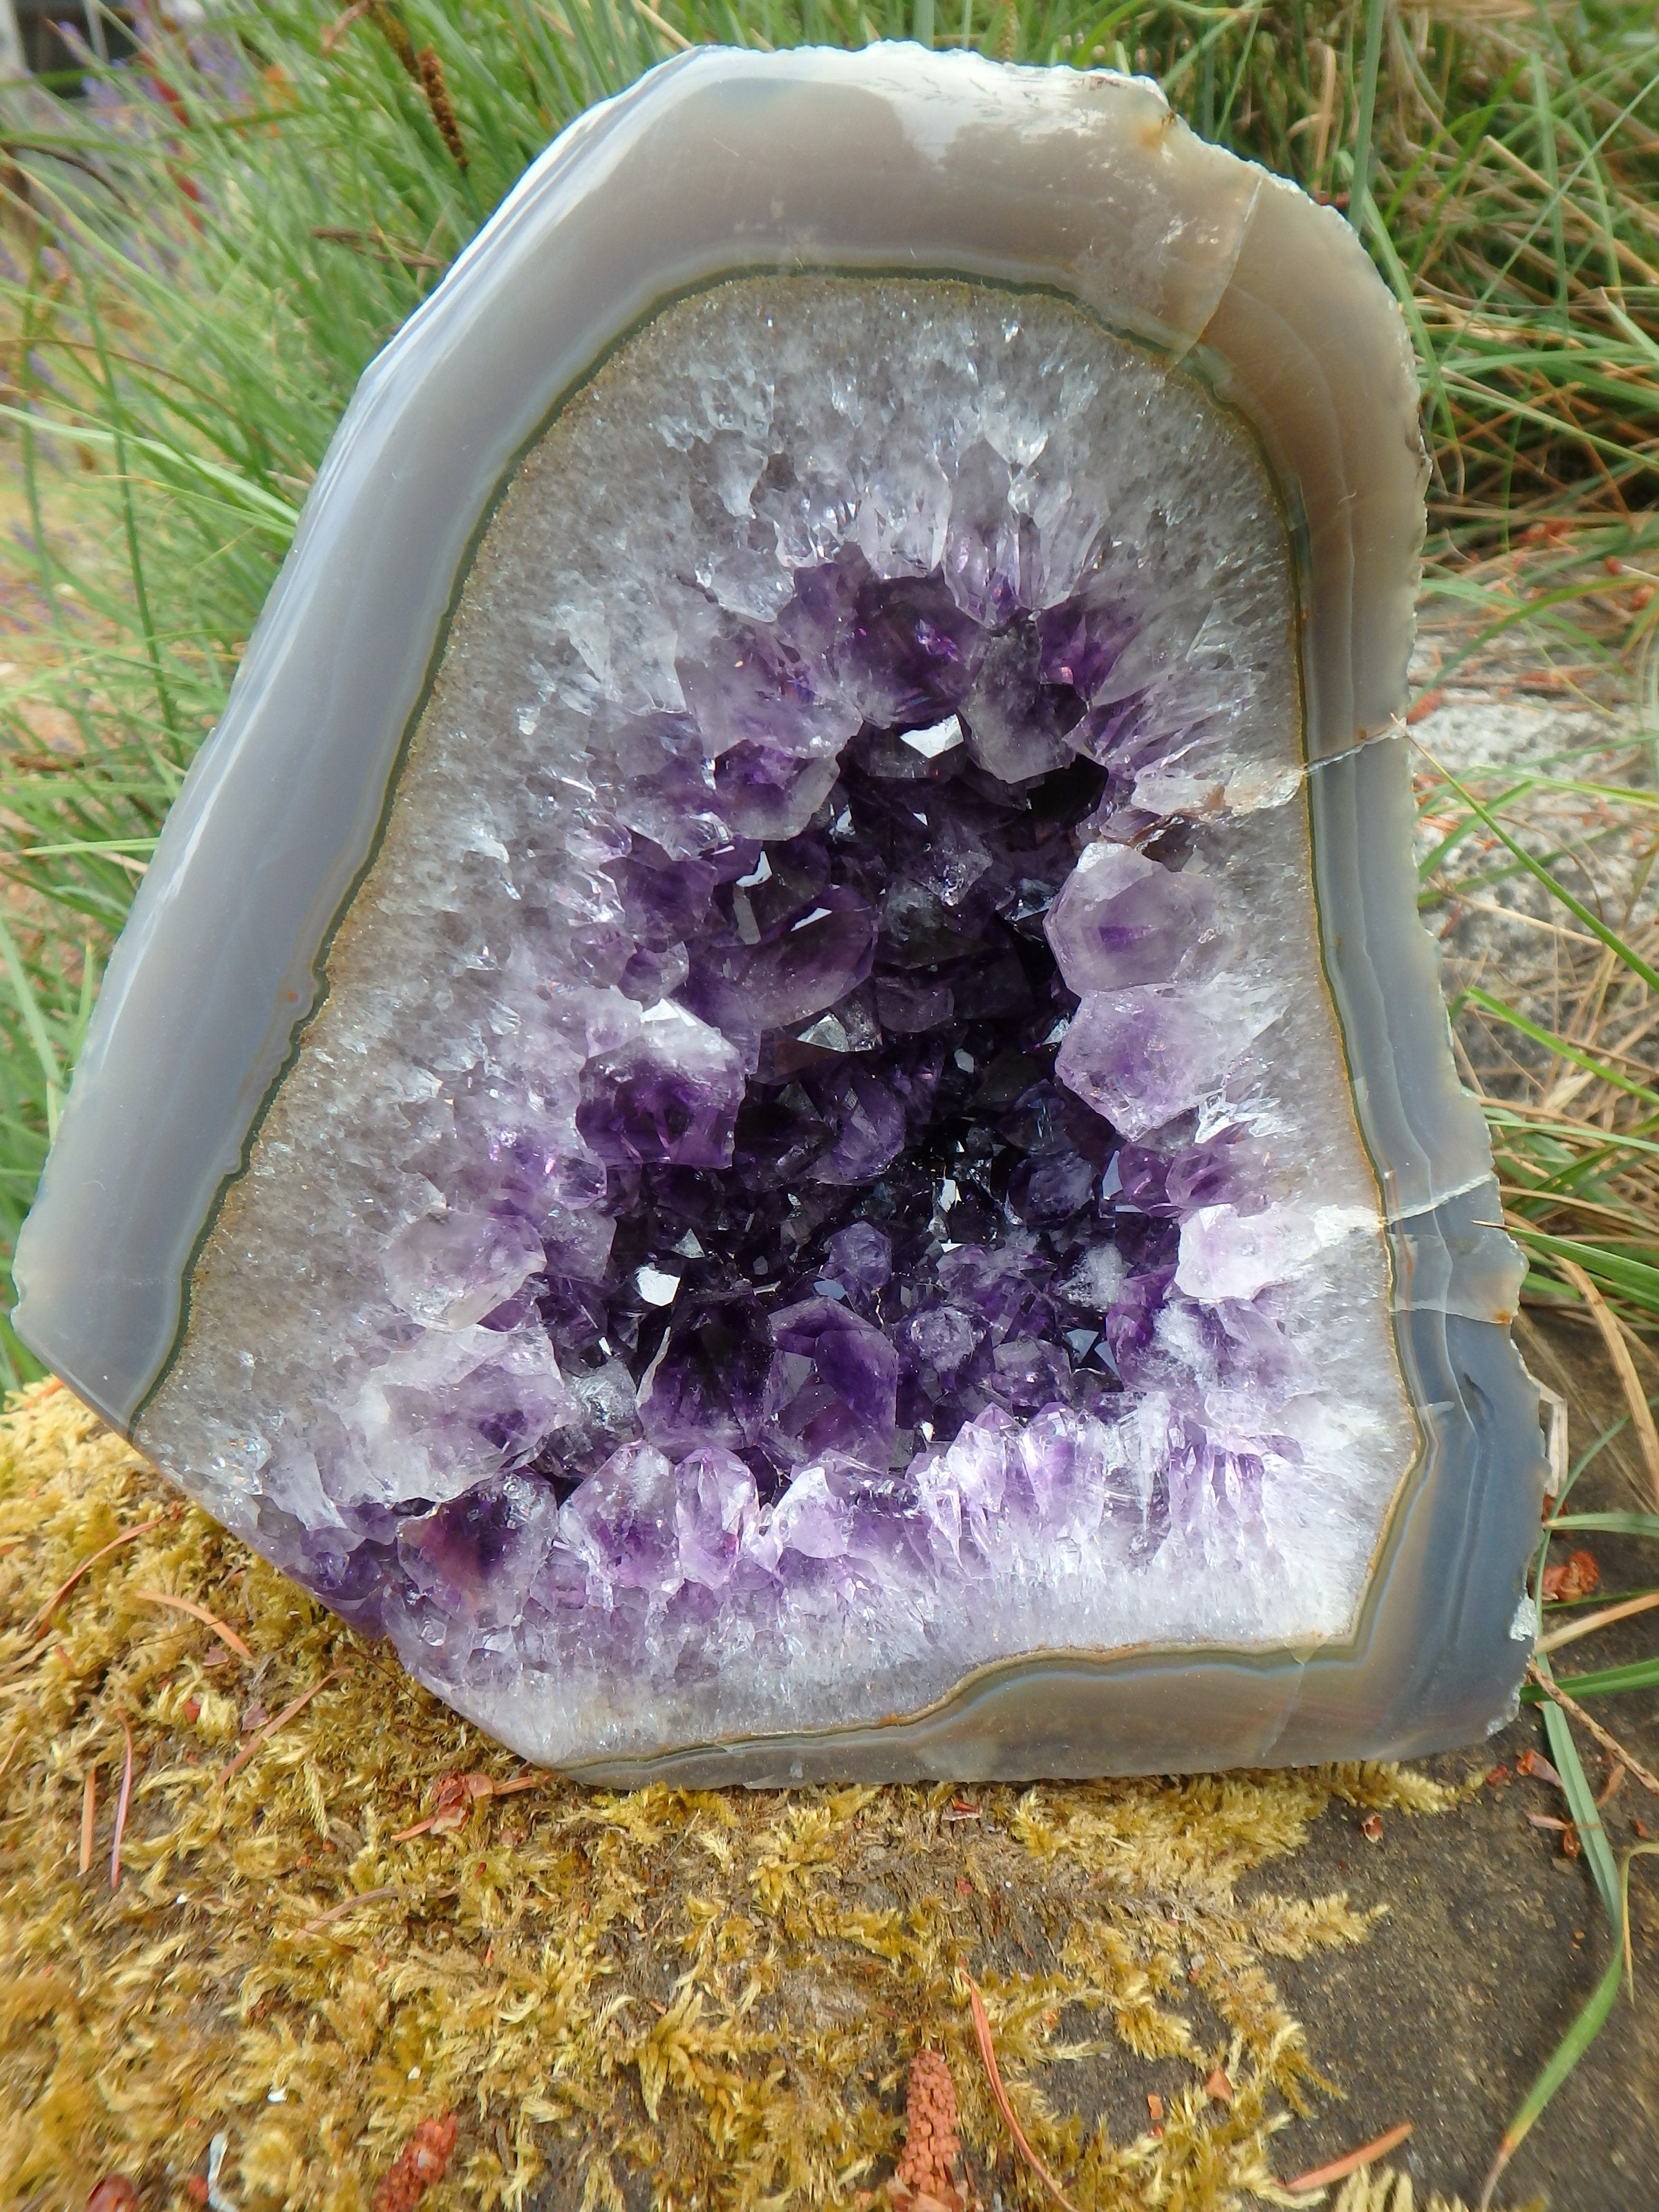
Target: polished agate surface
x=798, y=1123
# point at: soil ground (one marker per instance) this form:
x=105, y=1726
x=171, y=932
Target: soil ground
x=1492, y=1939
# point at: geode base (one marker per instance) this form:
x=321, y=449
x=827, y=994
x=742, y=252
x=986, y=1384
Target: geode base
x=875, y=1186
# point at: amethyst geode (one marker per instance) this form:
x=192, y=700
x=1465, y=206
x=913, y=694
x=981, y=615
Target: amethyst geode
x=835, y=1177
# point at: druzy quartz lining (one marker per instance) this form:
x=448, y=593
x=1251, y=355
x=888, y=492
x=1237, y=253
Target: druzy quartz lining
x=826, y=1159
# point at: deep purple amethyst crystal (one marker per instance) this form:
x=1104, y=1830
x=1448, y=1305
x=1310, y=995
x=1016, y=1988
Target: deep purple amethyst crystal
x=910, y=1217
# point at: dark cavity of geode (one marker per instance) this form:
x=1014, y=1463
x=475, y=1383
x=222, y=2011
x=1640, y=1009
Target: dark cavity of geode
x=785, y=1280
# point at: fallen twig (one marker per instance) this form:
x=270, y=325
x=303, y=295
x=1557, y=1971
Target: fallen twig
x=1608, y=1743
x=1367, y=2154
x=346, y=1904
x=1605, y=1618
x=227, y=1635
x=280, y=1720
x=89, y=1817
x=988, y=2052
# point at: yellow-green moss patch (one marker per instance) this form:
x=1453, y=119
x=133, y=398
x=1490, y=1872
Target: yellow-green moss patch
x=706, y=2000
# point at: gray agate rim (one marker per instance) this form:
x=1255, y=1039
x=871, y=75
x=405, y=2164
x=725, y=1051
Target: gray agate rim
x=724, y=162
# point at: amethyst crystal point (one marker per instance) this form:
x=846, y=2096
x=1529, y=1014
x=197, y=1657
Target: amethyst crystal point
x=878, y=1167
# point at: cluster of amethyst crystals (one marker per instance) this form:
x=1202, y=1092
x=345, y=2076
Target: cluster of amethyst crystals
x=884, y=1216
x=826, y=1161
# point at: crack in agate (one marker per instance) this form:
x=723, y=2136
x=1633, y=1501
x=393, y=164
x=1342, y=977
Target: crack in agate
x=826, y=1161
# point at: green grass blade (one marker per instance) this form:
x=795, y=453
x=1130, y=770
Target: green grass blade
x=1603, y=1682
x=29, y=1004
x=1557, y=890
x=263, y=507
x=1501, y=1011
x=1592, y=2018
x=1376, y=15
x=1611, y=1524
x=1581, y=1798
x=1635, y=1279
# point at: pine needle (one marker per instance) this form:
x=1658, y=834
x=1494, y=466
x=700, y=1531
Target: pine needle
x=257, y=1742
x=348, y=1904
x=226, y=1636
x=1321, y=2177
x=127, y=1536
x=121, y=1805
x=988, y=2052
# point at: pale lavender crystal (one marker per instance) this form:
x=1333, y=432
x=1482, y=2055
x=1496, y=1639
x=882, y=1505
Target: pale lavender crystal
x=475, y=1559
x=1125, y=919
x=1141, y=1056
x=453, y=1268
x=716, y=1513
x=671, y=1094
x=624, y=1522
x=860, y=1258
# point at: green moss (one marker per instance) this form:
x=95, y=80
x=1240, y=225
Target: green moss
x=709, y=1997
